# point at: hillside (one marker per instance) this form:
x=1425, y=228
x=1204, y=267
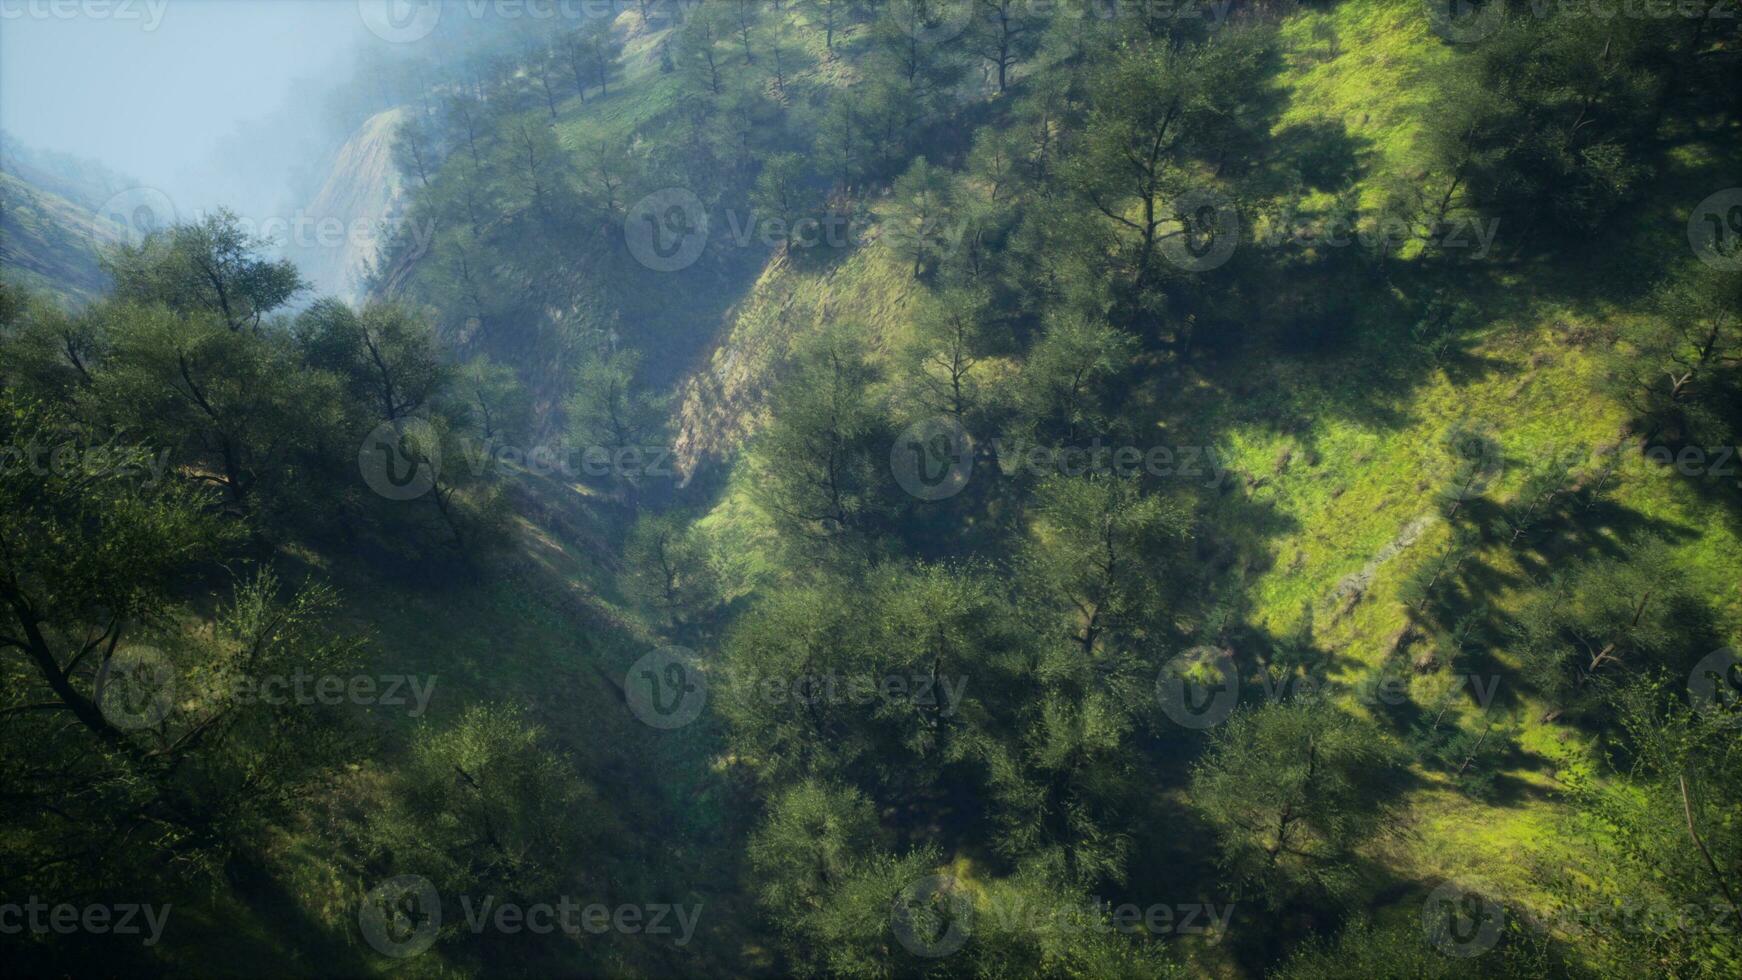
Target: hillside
x=51, y=244
x=1002, y=490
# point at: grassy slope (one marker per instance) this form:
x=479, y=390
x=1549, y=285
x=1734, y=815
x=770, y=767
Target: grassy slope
x=1538, y=390
x=532, y=637
x=1356, y=480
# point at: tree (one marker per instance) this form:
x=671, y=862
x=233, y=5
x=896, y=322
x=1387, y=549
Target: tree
x=868, y=683
x=536, y=165
x=46, y=351
x=827, y=884
x=466, y=115
x=126, y=741
x=89, y=554
x=1004, y=35
x=610, y=413
x=1064, y=383
x=1156, y=111
x=1607, y=618
x=212, y=267
x=603, y=51
x=1292, y=788
x=782, y=193
x=486, y=807
x=542, y=65
x=1440, y=333
x=744, y=17
x=697, y=41
x=490, y=399
x=809, y=844
x=1545, y=119
x=948, y=343
x=1655, y=819
x=606, y=169
x=1540, y=499
x=1469, y=757
x=669, y=567
x=1427, y=584
x=1096, y=551
x=414, y=151
x=1673, y=373
x=1473, y=461
x=917, y=71
x=822, y=464
x=387, y=356
x=916, y=224
x=577, y=56
x=831, y=15
x=239, y=406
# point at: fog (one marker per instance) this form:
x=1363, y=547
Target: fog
x=213, y=102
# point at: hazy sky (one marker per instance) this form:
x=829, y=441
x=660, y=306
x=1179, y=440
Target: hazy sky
x=157, y=89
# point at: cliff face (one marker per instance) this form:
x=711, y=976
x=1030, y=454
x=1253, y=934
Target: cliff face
x=342, y=230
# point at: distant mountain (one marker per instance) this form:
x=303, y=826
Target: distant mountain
x=57, y=213
x=49, y=244
x=83, y=182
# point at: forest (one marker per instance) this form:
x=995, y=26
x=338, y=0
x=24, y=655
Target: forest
x=945, y=488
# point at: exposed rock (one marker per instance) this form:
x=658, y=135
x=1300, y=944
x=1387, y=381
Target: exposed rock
x=361, y=196
x=1351, y=589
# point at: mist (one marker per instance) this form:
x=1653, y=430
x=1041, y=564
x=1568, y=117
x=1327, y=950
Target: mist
x=213, y=103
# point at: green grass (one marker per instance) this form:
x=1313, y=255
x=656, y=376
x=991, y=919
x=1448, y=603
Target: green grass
x=1358, y=472
x=1365, y=465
